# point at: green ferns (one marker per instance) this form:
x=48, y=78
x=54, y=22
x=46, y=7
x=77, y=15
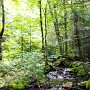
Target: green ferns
x=78, y=68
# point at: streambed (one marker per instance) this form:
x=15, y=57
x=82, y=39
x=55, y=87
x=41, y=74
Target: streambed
x=60, y=79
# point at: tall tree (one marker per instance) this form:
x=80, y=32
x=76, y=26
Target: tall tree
x=3, y=27
x=76, y=33
x=65, y=26
x=56, y=25
x=46, y=60
x=41, y=24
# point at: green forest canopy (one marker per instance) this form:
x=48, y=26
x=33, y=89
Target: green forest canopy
x=22, y=20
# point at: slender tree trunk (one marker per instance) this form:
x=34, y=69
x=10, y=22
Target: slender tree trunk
x=56, y=26
x=0, y=50
x=83, y=14
x=76, y=33
x=65, y=26
x=41, y=24
x=22, y=43
x=3, y=27
x=30, y=43
x=63, y=45
x=46, y=60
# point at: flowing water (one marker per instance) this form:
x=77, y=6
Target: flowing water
x=60, y=74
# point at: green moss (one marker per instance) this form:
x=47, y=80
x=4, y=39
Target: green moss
x=15, y=86
x=55, y=82
x=82, y=72
x=75, y=69
x=87, y=83
x=1, y=74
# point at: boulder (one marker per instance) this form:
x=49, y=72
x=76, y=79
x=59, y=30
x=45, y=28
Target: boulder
x=67, y=85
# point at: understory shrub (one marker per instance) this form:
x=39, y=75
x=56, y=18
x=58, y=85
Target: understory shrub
x=17, y=74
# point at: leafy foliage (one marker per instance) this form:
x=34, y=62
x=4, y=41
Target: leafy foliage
x=87, y=83
x=16, y=73
x=78, y=68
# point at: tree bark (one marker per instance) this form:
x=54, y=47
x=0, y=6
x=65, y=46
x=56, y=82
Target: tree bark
x=41, y=24
x=46, y=60
x=22, y=44
x=66, y=44
x=56, y=26
x=65, y=26
x=76, y=33
x=30, y=40
x=3, y=28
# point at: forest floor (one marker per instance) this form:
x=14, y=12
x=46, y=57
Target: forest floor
x=58, y=75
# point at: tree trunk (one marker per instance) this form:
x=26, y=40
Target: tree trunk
x=30, y=41
x=56, y=26
x=65, y=26
x=46, y=60
x=76, y=33
x=22, y=43
x=3, y=25
x=41, y=24
x=66, y=44
x=0, y=50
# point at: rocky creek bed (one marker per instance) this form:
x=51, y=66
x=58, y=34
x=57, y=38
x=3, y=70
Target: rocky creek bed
x=61, y=79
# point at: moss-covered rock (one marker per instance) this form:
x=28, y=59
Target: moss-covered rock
x=15, y=86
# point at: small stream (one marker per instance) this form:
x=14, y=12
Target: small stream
x=61, y=75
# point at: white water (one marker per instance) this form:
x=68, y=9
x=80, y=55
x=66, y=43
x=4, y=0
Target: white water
x=60, y=73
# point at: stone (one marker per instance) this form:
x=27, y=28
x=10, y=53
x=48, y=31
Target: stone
x=67, y=85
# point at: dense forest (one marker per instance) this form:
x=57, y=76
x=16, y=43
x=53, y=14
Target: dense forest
x=44, y=45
